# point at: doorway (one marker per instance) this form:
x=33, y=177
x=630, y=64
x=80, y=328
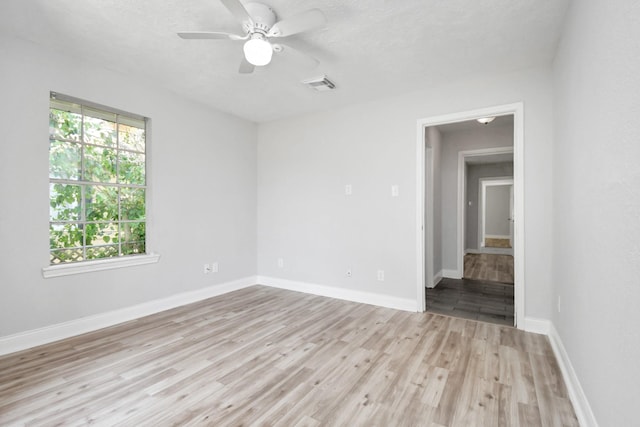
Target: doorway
x=495, y=212
x=429, y=272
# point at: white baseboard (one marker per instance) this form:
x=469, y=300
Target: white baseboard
x=451, y=274
x=48, y=334
x=576, y=393
x=437, y=278
x=537, y=326
x=381, y=300
x=52, y=333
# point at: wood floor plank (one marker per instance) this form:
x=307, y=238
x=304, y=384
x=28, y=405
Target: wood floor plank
x=262, y=356
x=507, y=407
x=491, y=302
x=491, y=267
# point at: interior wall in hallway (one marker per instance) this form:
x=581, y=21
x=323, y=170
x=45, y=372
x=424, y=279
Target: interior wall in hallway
x=474, y=174
x=452, y=143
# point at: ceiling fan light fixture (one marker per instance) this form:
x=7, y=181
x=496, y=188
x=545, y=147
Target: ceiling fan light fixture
x=257, y=50
x=260, y=25
x=485, y=120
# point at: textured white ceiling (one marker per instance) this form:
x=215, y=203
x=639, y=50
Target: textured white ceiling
x=370, y=48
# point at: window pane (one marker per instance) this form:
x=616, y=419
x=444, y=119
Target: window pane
x=96, y=164
x=59, y=256
x=131, y=138
x=131, y=168
x=131, y=232
x=71, y=107
x=133, y=248
x=65, y=235
x=132, y=203
x=107, y=251
x=133, y=238
x=64, y=160
x=99, y=164
x=101, y=202
x=101, y=233
x=64, y=125
x=64, y=202
x=99, y=127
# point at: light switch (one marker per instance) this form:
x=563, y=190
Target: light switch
x=395, y=191
x=348, y=190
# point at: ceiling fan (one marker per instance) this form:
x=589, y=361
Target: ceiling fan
x=260, y=24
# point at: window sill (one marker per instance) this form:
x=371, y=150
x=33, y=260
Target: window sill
x=98, y=265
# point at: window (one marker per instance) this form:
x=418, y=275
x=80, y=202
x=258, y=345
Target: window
x=97, y=182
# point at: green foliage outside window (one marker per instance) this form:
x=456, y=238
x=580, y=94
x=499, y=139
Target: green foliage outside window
x=97, y=183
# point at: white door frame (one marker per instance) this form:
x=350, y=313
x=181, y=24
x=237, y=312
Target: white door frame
x=517, y=110
x=463, y=157
x=429, y=215
x=482, y=205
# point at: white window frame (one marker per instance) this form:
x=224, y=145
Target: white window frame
x=119, y=261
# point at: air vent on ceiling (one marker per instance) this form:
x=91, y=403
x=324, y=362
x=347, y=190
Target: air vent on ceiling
x=320, y=84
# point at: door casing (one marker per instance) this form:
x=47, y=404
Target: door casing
x=517, y=110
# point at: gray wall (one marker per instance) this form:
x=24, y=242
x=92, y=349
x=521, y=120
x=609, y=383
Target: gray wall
x=204, y=161
x=304, y=163
x=202, y=191
x=474, y=173
x=497, y=210
x=596, y=203
x=452, y=143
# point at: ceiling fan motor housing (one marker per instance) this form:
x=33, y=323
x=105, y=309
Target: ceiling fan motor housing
x=263, y=18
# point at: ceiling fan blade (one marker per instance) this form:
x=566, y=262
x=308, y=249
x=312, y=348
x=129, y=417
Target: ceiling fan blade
x=237, y=9
x=299, y=23
x=297, y=55
x=246, y=67
x=209, y=35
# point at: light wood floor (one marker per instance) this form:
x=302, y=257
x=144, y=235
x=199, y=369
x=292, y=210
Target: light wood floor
x=262, y=356
x=490, y=267
x=497, y=243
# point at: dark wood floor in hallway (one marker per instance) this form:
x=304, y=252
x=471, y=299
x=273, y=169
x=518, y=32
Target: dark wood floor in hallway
x=486, y=292
x=473, y=299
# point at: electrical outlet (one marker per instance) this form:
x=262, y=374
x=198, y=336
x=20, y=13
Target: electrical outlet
x=280, y=263
x=381, y=275
x=214, y=267
x=207, y=269
x=349, y=273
